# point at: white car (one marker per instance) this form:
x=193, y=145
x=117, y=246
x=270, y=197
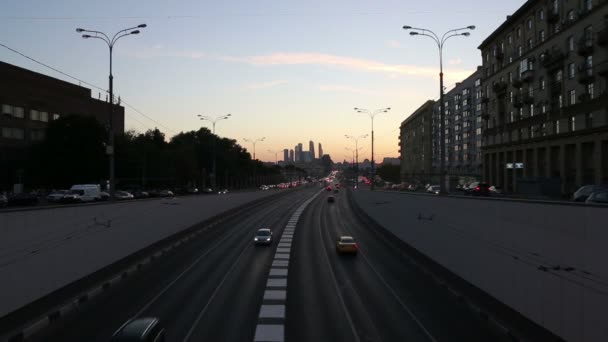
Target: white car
x=87, y=192
x=433, y=189
x=263, y=237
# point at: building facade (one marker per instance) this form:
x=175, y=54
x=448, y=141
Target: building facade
x=29, y=101
x=311, y=149
x=291, y=156
x=415, y=142
x=463, y=125
x=286, y=155
x=320, y=151
x=545, y=104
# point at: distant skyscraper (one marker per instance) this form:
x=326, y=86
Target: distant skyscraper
x=320, y=151
x=291, y=156
x=299, y=155
x=285, y=155
x=311, y=149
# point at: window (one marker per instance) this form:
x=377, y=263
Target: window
x=511, y=96
x=37, y=134
x=541, y=35
x=543, y=108
x=12, y=133
x=570, y=15
x=520, y=51
x=56, y=116
x=478, y=131
x=570, y=43
x=589, y=120
x=572, y=124
x=541, y=15
x=7, y=109
x=590, y=90
x=555, y=6
x=571, y=70
x=518, y=32
x=572, y=97
x=589, y=62
x=509, y=39
x=510, y=77
x=532, y=110
x=530, y=91
x=556, y=126
x=559, y=76
x=542, y=83
x=478, y=82
x=18, y=112
x=543, y=129
x=560, y=101
x=588, y=5
x=44, y=116
x=530, y=44
x=34, y=115
x=530, y=24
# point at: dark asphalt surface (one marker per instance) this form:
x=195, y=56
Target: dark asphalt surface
x=211, y=288
x=374, y=296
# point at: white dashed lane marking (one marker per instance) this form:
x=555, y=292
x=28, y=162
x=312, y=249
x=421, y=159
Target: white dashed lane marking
x=275, y=295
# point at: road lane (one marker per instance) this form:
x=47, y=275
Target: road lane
x=181, y=303
x=387, y=298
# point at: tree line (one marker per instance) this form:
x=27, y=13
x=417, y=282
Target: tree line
x=74, y=151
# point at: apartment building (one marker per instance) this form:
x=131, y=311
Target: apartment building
x=415, y=142
x=544, y=98
x=463, y=124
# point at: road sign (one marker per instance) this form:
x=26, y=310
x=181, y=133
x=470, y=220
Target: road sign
x=519, y=165
x=509, y=165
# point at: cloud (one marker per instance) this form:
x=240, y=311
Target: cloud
x=393, y=44
x=159, y=50
x=456, y=61
x=264, y=85
x=343, y=89
x=343, y=62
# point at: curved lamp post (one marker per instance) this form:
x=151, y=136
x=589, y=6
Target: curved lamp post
x=213, y=121
x=372, y=115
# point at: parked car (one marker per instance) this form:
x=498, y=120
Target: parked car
x=598, y=197
x=104, y=195
x=584, y=191
x=192, y=191
x=166, y=193
x=23, y=198
x=478, y=189
x=140, y=330
x=496, y=191
x=57, y=196
x=123, y=195
x=433, y=189
x=207, y=191
x=222, y=192
x=71, y=197
x=3, y=200
x=141, y=194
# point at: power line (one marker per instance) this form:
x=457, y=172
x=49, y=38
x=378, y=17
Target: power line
x=87, y=83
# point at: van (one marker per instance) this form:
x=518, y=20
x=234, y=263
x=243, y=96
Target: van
x=87, y=192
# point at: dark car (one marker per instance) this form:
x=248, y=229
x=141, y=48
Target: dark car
x=140, y=330
x=584, y=191
x=331, y=199
x=598, y=197
x=23, y=199
x=208, y=191
x=3, y=201
x=141, y=194
x=328, y=188
x=166, y=193
x=478, y=189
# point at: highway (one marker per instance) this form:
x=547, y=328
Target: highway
x=212, y=288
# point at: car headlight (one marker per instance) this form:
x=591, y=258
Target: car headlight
x=267, y=239
x=255, y=239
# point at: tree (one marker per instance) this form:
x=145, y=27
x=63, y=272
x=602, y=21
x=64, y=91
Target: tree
x=390, y=173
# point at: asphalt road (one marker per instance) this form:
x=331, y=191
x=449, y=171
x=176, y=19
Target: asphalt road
x=212, y=288
x=208, y=290
x=374, y=296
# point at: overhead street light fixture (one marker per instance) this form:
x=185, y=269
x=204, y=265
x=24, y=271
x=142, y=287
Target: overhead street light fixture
x=372, y=115
x=213, y=120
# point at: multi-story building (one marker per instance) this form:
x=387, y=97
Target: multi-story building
x=29, y=101
x=311, y=149
x=545, y=98
x=286, y=155
x=415, y=144
x=462, y=124
x=291, y=156
x=320, y=151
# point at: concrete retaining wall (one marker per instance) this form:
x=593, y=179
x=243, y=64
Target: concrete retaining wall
x=548, y=262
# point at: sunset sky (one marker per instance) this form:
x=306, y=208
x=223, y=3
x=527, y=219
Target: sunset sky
x=290, y=71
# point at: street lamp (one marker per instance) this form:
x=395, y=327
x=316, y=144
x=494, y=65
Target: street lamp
x=372, y=115
x=440, y=43
x=110, y=43
x=276, y=159
x=355, y=170
x=254, y=141
x=214, y=120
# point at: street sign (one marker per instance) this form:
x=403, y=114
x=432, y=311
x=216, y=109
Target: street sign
x=509, y=165
x=519, y=165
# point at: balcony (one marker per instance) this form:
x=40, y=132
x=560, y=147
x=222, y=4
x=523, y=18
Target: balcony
x=500, y=87
x=585, y=74
x=585, y=46
x=553, y=60
x=602, y=37
x=527, y=76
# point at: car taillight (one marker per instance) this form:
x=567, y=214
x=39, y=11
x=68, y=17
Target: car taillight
x=356, y=246
x=477, y=188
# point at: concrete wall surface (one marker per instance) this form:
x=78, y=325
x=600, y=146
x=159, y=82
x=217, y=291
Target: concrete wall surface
x=44, y=250
x=549, y=262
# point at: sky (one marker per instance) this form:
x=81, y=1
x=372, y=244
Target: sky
x=289, y=71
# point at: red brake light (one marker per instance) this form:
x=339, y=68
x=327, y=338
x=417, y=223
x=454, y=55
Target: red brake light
x=356, y=245
x=477, y=188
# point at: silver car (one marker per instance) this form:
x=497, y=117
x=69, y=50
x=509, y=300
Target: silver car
x=263, y=237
